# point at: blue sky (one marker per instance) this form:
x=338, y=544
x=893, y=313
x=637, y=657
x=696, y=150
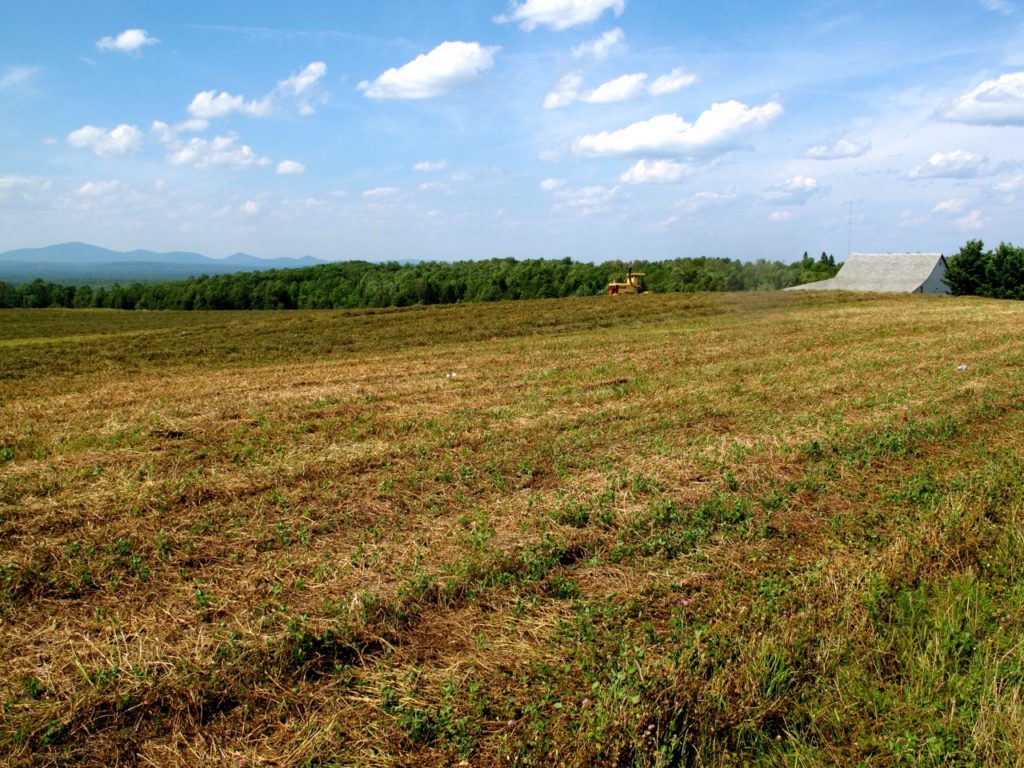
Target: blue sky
x=595, y=129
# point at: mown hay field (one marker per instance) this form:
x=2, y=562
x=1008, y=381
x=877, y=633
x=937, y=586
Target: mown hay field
x=758, y=529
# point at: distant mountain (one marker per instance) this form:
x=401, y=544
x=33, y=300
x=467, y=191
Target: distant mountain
x=81, y=263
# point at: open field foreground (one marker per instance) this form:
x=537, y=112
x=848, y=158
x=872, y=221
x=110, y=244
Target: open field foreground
x=746, y=529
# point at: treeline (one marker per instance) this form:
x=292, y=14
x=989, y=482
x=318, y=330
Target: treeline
x=997, y=274
x=352, y=284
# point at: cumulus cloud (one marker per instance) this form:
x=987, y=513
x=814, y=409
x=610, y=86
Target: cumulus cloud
x=1009, y=186
x=301, y=87
x=550, y=185
x=720, y=128
x=435, y=186
x=994, y=102
x=211, y=105
x=379, y=192
x=290, y=168
x=584, y=200
x=449, y=66
x=566, y=91
x=22, y=186
x=779, y=217
x=959, y=164
x=122, y=140
x=955, y=205
x=654, y=172
x=250, y=207
x=795, y=191
x=98, y=188
x=298, y=89
x=620, y=89
x=127, y=42
x=167, y=134
x=218, y=152
x=303, y=82
x=558, y=14
x=674, y=81
x=841, y=149
x=429, y=167
x=601, y=48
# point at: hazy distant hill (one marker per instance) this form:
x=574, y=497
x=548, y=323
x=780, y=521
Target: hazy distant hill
x=84, y=264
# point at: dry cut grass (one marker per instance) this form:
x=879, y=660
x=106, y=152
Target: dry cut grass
x=659, y=530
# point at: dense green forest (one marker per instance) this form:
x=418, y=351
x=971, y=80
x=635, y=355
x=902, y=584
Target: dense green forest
x=997, y=274
x=353, y=284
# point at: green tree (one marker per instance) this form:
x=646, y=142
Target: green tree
x=1005, y=272
x=967, y=271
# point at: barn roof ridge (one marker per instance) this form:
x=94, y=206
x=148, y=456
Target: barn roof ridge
x=894, y=272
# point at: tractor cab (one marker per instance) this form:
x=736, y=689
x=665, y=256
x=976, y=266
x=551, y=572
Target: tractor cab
x=633, y=284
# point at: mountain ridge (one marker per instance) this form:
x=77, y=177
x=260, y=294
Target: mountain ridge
x=92, y=264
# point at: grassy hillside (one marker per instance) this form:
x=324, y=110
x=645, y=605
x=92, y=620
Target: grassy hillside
x=730, y=529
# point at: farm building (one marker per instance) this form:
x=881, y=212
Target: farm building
x=886, y=273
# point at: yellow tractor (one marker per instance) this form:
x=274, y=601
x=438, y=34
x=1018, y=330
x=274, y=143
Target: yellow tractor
x=633, y=284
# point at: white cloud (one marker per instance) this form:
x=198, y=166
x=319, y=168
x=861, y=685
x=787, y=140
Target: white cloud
x=22, y=186
x=704, y=199
x=620, y=89
x=218, y=152
x=994, y=102
x=429, y=167
x=304, y=81
x=674, y=81
x=127, y=42
x=565, y=93
x=98, y=188
x=973, y=221
x=955, y=205
x=449, y=66
x=601, y=48
x=211, y=105
x=998, y=6
x=654, y=172
x=17, y=77
x=167, y=134
x=585, y=200
x=435, y=186
x=250, y=207
x=379, y=192
x=720, y=128
x=290, y=168
x=122, y=140
x=840, y=150
x=558, y=14
x=795, y=191
x=779, y=217
x=1011, y=185
x=959, y=164
x=299, y=89
x=9, y=183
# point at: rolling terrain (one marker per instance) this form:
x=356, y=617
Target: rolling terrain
x=680, y=529
x=84, y=264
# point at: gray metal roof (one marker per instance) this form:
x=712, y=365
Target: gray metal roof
x=886, y=273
